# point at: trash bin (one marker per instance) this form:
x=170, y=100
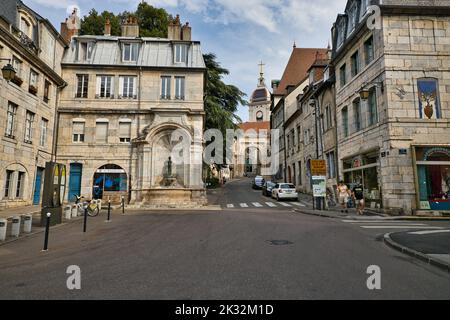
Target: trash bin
x=3, y=226
x=68, y=212
x=74, y=211
x=27, y=223
x=15, y=227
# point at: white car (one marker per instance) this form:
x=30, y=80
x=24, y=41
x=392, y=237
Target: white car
x=283, y=191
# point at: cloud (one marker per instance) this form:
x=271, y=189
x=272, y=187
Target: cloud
x=60, y=4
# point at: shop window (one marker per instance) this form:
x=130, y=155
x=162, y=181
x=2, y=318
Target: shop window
x=109, y=179
x=433, y=170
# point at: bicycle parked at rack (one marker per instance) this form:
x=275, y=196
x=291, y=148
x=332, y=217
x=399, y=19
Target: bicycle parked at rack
x=92, y=208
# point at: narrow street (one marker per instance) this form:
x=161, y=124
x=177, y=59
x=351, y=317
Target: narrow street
x=237, y=253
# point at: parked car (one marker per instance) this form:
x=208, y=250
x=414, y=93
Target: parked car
x=267, y=188
x=283, y=191
x=258, y=182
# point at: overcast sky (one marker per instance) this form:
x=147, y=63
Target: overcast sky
x=240, y=32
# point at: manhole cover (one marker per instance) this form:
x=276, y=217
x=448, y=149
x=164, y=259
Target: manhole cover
x=280, y=242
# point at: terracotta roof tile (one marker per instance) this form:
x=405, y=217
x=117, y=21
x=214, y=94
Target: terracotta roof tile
x=257, y=126
x=297, y=68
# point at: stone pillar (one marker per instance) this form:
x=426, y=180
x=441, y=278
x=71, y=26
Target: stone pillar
x=147, y=164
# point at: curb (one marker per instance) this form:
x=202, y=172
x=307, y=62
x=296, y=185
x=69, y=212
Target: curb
x=409, y=218
x=416, y=254
x=201, y=209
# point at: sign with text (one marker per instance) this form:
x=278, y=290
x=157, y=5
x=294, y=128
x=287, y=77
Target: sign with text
x=318, y=167
x=319, y=186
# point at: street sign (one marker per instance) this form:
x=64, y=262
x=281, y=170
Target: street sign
x=318, y=167
x=319, y=186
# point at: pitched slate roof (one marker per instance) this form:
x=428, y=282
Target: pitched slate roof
x=297, y=68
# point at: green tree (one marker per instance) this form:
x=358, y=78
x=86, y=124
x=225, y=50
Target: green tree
x=153, y=22
x=222, y=100
x=94, y=23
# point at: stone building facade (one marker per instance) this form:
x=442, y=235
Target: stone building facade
x=130, y=104
x=251, y=145
x=28, y=102
x=287, y=114
x=393, y=102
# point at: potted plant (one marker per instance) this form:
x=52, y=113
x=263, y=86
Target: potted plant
x=17, y=80
x=32, y=89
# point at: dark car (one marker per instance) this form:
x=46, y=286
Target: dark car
x=258, y=182
x=267, y=188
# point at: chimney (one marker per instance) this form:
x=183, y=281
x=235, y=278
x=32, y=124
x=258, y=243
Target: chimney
x=70, y=27
x=130, y=27
x=186, y=32
x=174, y=29
x=107, y=27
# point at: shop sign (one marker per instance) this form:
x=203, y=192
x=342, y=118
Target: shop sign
x=425, y=205
x=318, y=167
x=433, y=151
x=319, y=186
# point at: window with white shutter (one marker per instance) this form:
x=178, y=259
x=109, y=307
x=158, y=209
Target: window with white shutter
x=127, y=86
x=78, y=131
x=179, y=88
x=101, y=132
x=43, y=137
x=125, y=132
x=105, y=87
x=165, y=87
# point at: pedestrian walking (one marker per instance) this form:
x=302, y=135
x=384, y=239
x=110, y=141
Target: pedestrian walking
x=358, y=197
x=343, y=195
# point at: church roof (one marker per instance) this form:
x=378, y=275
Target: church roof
x=257, y=126
x=297, y=68
x=260, y=95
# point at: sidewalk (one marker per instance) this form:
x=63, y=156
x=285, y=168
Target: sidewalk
x=12, y=212
x=432, y=247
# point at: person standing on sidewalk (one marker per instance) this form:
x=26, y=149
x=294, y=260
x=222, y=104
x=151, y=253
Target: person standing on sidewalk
x=358, y=197
x=343, y=195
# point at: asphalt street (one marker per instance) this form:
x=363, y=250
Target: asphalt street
x=237, y=253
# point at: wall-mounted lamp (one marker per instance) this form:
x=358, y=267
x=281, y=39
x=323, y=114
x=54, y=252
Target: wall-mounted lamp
x=8, y=71
x=364, y=93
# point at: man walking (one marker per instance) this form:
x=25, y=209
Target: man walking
x=358, y=197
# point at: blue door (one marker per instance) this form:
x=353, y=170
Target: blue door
x=75, y=181
x=37, y=186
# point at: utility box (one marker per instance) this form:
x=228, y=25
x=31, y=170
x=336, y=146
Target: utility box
x=53, y=194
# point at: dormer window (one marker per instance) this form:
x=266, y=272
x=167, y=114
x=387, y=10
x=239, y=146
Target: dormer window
x=352, y=17
x=181, y=53
x=85, y=51
x=25, y=27
x=341, y=33
x=130, y=52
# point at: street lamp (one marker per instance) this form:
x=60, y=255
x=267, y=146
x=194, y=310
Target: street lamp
x=364, y=93
x=8, y=71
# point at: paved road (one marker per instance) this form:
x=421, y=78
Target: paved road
x=215, y=255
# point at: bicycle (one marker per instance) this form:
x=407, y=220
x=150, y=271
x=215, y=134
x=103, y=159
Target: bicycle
x=92, y=208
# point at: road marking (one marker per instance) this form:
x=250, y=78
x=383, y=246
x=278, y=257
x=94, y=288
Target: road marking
x=230, y=206
x=244, y=205
x=271, y=204
x=400, y=227
x=298, y=204
x=285, y=204
x=387, y=222
x=420, y=233
x=257, y=204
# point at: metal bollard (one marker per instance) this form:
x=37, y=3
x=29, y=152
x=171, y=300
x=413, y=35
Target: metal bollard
x=15, y=228
x=74, y=211
x=47, y=231
x=109, y=211
x=67, y=212
x=85, y=218
x=123, y=205
x=3, y=226
x=27, y=223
